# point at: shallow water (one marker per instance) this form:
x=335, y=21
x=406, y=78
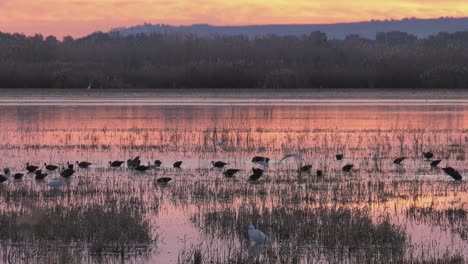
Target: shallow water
x=192, y=131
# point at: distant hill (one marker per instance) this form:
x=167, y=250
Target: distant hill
x=419, y=27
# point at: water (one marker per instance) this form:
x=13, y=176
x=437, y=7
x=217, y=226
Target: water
x=199, y=131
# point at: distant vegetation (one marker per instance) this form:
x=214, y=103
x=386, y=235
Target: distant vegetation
x=176, y=60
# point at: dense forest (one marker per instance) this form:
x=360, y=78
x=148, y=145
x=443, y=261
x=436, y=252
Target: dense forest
x=394, y=59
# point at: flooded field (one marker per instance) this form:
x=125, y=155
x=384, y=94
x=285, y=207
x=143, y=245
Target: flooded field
x=379, y=211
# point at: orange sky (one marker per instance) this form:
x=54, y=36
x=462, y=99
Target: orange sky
x=81, y=17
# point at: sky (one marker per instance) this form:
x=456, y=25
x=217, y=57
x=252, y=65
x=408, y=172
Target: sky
x=81, y=17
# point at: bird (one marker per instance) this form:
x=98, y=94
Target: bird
x=136, y=162
x=115, y=164
x=157, y=163
x=435, y=163
x=256, y=235
x=31, y=168
x=218, y=164
x=40, y=176
x=319, y=173
x=3, y=178
x=177, y=164
x=141, y=168
x=56, y=183
x=259, y=159
x=229, y=173
x=130, y=163
x=347, y=168
x=399, y=160
x=305, y=168
x=50, y=167
x=70, y=166
x=292, y=155
x=18, y=176
x=164, y=180
x=257, y=173
x=339, y=156
x=6, y=173
x=453, y=173
x=428, y=155
x=67, y=173
x=83, y=164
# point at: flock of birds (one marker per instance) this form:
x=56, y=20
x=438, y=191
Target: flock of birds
x=257, y=173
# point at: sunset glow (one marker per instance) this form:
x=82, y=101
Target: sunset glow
x=81, y=17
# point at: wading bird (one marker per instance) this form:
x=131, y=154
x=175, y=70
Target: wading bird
x=305, y=168
x=141, y=168
x=164, y=180
x=157, y=163
x=115, y=164
x=435, y=163
x=260, y=160
x=339, y=156
x=67, y=173
x=3, y=178
x=136, y=162
x=399, y=160
x=347, y=168
x=18, y=176
x=319, y=173
x=428, y=155
x=229, y=173
x=177, y=164
x=453, y=173
x=40, y=176
x=56, y=183
x=256, y=235
x=50, y=167
x=31, y=168
x=218, y=164
x=257, y=173
x=70, y=165
x=83, y=164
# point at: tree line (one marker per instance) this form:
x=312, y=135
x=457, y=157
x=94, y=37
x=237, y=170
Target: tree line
x=391, y=60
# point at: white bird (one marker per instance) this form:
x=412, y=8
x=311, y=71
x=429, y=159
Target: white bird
x=298, y=157
x=256, y=235
x=56, y=183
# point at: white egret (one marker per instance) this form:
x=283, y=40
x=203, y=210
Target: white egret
x=57, y=183
x=256, y=235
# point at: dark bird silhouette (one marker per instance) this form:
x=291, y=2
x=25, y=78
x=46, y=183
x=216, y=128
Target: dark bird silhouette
x=453, y=173
x=398, y=161
x=218, y=164
x=50, y=167
x=348, y=167
x=115, y=164
x=319, y=173
x=339, y=156
x=306, y=168
x=141, y=168
x=18, y=176
x=3, y=179
x=177, y=164
x=83, y=164
x=229, y=173
x=130, y=163
x=67, y=173
x=428, y=155
x=157, y=163
x=31, y=168
x=257, y=173
x=40, y=176
x=136, y=162
x=260, y=159
x=435, y=163
x=164, y=180
x=70, y=166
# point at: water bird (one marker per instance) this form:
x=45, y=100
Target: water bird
x=3, y=178
x=31, y=168
x=164, y=180
x=136, y=162
x=256, y=235
x=347, y=168
x=218, y=164
x=305, y=168
x=229, y=173
x=257, y=173
x=83, y=164
x=319, y=173
x=40, y=176
x=399, y=160
x=260, y=159
x=6, y=172
x=141, y=168
x=435, y=163
x=67, y=173
x=428, y=155
x=70, y=166
x=50, y=167
x=177, y=164
x=292, y=155
x=18, y=176
x=157, y=163
x=115, y=164
x=339, y=156
x=453, y=173
x=56, y=183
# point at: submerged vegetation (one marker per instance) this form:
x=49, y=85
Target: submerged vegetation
x=391, y=60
